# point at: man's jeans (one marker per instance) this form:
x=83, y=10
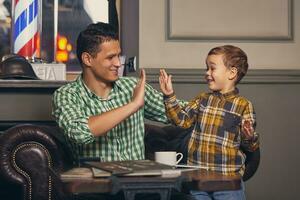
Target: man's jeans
x=220, y=195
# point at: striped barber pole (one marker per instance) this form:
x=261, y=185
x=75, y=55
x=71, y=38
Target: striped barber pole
x=25, y=26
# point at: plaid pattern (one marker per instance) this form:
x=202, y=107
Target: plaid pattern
x=73, y=103
x=217, y=139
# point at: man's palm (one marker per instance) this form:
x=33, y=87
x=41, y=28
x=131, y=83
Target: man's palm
x=139, y=90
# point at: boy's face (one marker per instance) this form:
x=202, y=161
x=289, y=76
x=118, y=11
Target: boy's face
x=218, y=76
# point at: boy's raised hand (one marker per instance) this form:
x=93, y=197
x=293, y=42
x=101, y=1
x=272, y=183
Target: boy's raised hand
x=139, y=90
x=247, y=130
x=165, y=82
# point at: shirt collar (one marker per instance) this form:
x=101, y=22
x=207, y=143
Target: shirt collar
x=116, y=87
x=118, y=84
x=227, y=95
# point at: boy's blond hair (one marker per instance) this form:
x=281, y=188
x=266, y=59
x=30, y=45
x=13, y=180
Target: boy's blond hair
x=232, y=57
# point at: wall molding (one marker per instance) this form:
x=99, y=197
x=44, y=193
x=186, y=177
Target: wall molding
x=259, y=38
x=31, y=84
x=256, y=76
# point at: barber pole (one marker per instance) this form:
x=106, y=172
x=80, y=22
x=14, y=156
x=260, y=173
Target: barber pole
x=26, y=27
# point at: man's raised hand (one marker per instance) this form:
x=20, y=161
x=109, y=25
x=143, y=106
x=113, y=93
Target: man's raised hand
x=139, y=90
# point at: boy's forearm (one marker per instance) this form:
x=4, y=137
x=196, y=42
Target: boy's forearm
x=175, y=112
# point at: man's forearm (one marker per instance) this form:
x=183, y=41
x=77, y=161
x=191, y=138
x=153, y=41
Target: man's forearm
x=101, y=124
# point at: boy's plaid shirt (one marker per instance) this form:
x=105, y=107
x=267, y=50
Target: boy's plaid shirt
x=73, y=103
x=217, y=139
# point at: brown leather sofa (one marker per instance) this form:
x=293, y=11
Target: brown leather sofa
x=32, y=157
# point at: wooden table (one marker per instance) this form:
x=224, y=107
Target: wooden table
x=209, y=181
x=197, y=179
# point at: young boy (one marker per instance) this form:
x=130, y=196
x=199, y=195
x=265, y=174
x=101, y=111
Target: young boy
x=223, y=121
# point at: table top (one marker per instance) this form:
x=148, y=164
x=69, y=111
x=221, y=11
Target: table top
x=209, y=181
x=189, y=179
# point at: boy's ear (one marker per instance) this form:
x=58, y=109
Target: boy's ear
x=86, y=58
x=233, y=73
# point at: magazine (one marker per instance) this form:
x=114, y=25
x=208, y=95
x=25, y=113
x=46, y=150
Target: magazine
x=130, y=168
x=79, y=172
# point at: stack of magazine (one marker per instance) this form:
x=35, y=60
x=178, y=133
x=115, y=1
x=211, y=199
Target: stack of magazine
x=78, y=172
x=126, y=168
x=131, y=168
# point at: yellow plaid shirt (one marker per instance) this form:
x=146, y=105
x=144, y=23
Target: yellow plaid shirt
x=217, y=140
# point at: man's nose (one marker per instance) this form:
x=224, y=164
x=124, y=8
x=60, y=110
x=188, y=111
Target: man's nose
x=117, y=62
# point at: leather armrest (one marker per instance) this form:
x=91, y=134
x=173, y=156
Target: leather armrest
x=167, y=138
x=155, y=140
x=251, y=164
x=31, y=157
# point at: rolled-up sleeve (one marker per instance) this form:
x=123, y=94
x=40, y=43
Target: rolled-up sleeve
x=183, y=115
x=71, y=116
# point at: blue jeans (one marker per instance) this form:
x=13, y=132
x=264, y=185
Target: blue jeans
x=220, y=195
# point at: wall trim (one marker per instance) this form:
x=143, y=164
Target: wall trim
x=254, y=76
x=288, y=38
x=31, y=84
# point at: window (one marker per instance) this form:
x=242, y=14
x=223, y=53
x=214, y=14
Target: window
x=73, y=16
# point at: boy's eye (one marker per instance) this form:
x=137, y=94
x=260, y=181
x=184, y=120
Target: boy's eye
x=212, y=68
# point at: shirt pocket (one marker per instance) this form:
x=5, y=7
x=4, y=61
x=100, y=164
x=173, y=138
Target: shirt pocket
x=231, y=128
x=231, y=122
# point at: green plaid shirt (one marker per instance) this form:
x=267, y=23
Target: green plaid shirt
x=74, y=103
x=217, y=139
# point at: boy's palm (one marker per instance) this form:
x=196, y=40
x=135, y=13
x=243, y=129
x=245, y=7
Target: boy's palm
x=165, y=82
x=247, y=129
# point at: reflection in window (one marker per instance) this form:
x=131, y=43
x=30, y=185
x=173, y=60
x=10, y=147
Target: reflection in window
x=4, y=27
x=73, y=16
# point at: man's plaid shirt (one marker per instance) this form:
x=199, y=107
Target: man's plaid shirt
x=74, y=103
x=217, y=139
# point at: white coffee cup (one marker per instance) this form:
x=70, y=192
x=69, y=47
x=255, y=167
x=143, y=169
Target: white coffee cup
x=168, y=157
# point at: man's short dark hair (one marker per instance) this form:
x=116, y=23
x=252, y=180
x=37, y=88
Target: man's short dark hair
x=95, y=34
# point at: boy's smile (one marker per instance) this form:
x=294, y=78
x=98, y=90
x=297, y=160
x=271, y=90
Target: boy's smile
x=218, y=76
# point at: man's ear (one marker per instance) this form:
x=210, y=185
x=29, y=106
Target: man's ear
x=233, y=73
x=86, y=59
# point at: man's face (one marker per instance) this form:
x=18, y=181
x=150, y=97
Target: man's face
x=106, y=63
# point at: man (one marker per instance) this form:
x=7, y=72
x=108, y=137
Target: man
x=101, y=114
